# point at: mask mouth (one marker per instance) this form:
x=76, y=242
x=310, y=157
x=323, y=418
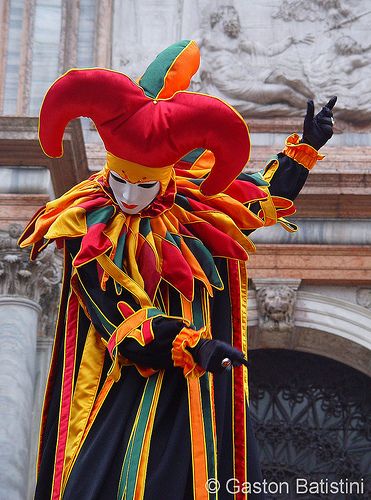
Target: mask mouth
x=127, y=205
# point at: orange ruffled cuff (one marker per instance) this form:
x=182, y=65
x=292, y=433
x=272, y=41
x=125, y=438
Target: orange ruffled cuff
x=182, y=358
x=300, y=152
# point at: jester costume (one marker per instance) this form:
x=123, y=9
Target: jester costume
x=128, y=413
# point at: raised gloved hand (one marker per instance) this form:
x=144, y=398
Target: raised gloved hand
x=210, y=354
x=318, y=129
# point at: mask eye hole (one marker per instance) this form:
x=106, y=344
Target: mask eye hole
x=118, y=179
x=147, y=186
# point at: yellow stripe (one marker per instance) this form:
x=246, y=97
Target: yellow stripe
x=97, y=406
x=213, y=423
x=269, y=209
x=84, y=396
x=271, y=169
x=124, y=280
x=244, y=319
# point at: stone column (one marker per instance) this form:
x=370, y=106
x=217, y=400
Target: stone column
x=25, y=288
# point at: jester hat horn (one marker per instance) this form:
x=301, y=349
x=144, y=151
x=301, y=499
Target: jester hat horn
x=150, y=129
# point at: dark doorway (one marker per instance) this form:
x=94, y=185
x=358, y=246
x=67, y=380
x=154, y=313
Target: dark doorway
x=312, y=419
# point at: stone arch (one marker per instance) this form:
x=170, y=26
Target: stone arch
x=323, y=325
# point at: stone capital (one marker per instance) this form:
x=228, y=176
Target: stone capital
x=38, y=281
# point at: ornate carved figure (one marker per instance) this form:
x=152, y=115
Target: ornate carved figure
x=239, y=69
x=274, y=77
x=364, y=297
x=276, y=307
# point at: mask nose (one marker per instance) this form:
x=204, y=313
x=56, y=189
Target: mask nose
x=131, y=194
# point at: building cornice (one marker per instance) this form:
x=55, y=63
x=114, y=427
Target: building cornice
x=19, y=146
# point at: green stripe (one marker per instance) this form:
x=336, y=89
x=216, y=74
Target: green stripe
x=120, y=250
x=197, y=313
x=153, y=79
x=205, y=259
x=125, y=469
x=192, y=156
x=153, y=311
x=208, y=427
x=118, y=258
x=145, y=226
x=109, y=327
x=100, y=215
x=130, y=466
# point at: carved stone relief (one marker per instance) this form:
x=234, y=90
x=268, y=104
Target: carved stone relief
x=276, y=304
x=314, y=50
x=364, y=297
x=36, y=280
x=265, y=58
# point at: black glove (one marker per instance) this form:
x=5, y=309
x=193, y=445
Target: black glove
x=210, y=353
x=318, y=129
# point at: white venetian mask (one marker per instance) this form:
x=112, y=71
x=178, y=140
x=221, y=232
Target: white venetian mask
x=133, y=198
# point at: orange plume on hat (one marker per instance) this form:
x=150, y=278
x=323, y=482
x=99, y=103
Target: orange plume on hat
x=151, y=132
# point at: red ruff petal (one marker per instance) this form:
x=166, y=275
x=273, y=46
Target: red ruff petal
x=184, y=230
x=175, y=269
x=146, y=261
x=244, y=191
x=94, y=243
x=217, y=242
x=197, y=205
x=286, y=212
x=96, y=201
x=183, y=170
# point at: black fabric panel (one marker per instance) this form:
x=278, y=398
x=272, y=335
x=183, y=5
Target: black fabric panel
x=96, y=473
x=288, y=179
x=156, y=354
x=221, y=321
x=169, y=473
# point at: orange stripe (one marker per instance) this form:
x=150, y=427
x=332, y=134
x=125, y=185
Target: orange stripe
x=199, y=459
x=88, y=379
x=186, y=308
x=180, y=72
